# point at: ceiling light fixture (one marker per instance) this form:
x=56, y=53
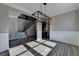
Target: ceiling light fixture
x=41, y=15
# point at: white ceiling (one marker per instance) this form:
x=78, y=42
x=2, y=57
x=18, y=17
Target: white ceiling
x=52, y=8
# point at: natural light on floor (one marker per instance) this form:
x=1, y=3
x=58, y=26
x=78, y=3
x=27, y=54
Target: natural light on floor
x=38, y=46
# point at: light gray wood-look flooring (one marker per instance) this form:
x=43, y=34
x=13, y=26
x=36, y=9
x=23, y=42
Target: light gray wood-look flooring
x=62, y=49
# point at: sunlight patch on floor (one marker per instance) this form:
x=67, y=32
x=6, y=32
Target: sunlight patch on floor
x=37, y=46
x=17, y=50
x=43, y=50
x=41, y=41
x=49, y=43
x=27, y=53
x=32, y=44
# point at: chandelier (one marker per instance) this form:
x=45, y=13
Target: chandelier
x=40, y=15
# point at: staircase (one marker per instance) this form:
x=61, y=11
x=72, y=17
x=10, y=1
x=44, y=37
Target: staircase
x=29, y=21
x=26, y=26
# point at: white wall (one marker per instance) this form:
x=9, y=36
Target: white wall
x=65, y=28
x=4, y=41
x=13, y=23
x=4, y=23
x=13, y=28
x=16, y=24
x=20, y=24
x=8, y=25
x=39, y=30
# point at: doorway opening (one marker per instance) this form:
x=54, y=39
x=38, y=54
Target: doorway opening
x=45, y=30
